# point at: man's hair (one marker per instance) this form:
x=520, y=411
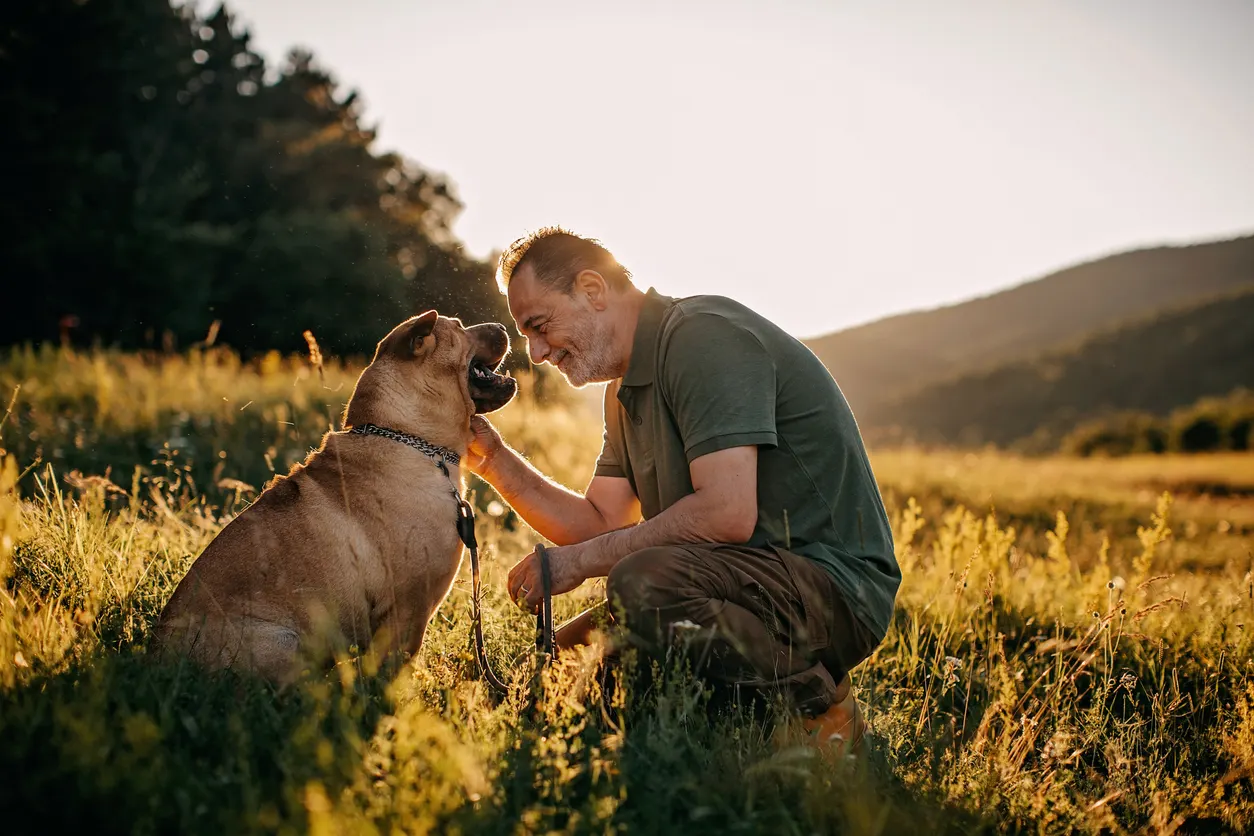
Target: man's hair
x=556, y=256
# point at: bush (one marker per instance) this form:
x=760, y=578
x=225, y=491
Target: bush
x=1210, y=424
x=1119, y=435
x=1200, y=435
x=1240, y=432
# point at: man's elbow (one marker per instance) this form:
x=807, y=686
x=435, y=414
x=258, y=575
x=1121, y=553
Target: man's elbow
x=736, y=523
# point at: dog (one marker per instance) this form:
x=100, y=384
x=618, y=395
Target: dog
x=358, y=545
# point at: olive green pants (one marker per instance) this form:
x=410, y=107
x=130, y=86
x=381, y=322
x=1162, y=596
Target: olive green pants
x=756, y=620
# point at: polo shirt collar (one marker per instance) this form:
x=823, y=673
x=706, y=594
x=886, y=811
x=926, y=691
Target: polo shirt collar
x=643, y=363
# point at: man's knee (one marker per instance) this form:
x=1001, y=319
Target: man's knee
x=642, y=580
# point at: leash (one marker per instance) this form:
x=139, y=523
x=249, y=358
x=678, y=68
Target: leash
x=546, y=639
x=466, y=530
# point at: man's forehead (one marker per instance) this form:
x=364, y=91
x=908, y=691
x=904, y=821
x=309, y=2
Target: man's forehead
x=524, y=296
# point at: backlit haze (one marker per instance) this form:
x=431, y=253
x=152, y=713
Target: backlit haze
x=826, y=163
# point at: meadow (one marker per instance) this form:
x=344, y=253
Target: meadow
x=1070, y=651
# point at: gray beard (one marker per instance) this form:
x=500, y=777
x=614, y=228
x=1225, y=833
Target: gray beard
x=592, y=363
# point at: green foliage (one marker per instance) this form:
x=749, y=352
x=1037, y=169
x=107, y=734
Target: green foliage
x=1120, y=435
x=1053, y=666
x=170, y=178
x=1210, y=425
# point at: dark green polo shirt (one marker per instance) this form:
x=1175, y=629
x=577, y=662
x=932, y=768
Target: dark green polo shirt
x=706, y=373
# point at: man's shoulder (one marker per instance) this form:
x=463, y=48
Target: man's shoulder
x=712, y=311
x=709, y=303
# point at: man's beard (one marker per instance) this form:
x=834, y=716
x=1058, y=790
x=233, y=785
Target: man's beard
x=591, y=362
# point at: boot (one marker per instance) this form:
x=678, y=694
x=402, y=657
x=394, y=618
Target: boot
x=841, y=727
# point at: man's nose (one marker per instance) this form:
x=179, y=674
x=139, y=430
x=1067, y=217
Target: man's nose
x=538, y=349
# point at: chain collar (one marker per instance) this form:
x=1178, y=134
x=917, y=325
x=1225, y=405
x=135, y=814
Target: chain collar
x=431, y=451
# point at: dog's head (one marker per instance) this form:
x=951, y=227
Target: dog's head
x=431, y=369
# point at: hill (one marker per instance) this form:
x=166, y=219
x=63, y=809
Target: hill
x=1153, y=365
x=884, y=361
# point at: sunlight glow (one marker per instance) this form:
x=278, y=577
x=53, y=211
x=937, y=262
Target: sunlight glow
x=825, y=163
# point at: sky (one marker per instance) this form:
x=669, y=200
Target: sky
x=826, y=163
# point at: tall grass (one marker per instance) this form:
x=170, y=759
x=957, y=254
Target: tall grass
x=1051, y=666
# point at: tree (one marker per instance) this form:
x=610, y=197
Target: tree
x=169, y=178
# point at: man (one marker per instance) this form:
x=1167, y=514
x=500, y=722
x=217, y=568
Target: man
x=732, y=492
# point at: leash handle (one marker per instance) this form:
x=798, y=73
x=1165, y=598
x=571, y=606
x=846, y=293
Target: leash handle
x=546, y=639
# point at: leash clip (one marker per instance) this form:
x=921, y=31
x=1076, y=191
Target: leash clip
x=466, y=523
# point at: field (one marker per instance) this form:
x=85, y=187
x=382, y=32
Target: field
x=1070, y=650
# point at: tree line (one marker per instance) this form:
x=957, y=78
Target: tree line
x=1207, y=426
x=162, y=176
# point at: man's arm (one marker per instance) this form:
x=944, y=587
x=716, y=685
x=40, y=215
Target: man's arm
x=723, y=508
x=557, y=513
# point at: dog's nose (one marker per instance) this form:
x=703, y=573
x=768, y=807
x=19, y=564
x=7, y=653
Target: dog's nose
x=492, y=336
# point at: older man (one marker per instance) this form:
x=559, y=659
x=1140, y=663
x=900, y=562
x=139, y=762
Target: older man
x=732, y=492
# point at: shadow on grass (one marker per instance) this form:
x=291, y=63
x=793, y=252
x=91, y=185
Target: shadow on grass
x=670, y=756
x=121, y=743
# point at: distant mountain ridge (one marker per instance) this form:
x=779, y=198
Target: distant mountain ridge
x=1151, y=366
x=887, y=358
x=897, y=370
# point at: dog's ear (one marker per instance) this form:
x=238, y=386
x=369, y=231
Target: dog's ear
x=420, y=330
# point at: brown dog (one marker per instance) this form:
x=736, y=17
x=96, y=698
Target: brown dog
x=359, y=544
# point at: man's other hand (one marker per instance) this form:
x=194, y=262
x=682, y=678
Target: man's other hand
x=565, y=572
x=483, y=445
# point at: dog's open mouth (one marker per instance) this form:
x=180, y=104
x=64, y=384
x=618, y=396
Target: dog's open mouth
x=489, y=389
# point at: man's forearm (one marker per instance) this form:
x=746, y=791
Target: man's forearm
x=696, y=518
x=556, y=512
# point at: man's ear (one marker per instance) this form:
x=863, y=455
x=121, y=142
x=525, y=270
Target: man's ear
x=593, y=286
x=420, y=329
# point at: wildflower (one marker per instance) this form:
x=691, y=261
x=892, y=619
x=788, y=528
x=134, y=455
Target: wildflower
x=953, y=662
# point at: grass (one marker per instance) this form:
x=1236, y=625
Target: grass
x=1069, y=652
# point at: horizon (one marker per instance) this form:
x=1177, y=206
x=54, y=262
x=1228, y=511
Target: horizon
x=874, y=162
x=1159, y=245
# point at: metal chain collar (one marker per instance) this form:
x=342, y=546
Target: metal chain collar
x=423, y=446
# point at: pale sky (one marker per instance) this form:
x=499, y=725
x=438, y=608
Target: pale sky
x=826, y=163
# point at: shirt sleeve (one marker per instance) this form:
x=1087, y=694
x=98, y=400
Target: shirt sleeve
x=719, y=381
x=607, y=462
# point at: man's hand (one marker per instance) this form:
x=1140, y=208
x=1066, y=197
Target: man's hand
x=483, y=446
x=565, y=571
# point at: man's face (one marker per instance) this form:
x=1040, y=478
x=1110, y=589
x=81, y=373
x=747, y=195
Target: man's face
x=567, y=331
